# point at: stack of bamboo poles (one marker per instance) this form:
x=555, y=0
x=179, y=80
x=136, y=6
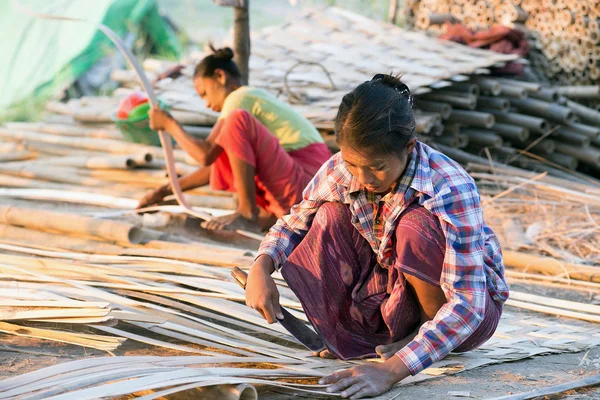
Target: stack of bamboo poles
x=520, y=123
x=564, y=34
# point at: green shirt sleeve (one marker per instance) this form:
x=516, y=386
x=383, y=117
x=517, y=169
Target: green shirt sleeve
x=237, y=99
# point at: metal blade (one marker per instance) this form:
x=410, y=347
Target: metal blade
x=300, y=331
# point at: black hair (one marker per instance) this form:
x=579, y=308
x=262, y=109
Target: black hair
x=220, y=59
x=376, y=116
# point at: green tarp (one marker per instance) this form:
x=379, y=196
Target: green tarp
x=41, y=57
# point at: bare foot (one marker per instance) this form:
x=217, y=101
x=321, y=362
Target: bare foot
x=231, y=222
x=387, y=351
x=324, y=354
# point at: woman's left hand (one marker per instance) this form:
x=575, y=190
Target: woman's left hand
x=366, y=380
x=160, y=120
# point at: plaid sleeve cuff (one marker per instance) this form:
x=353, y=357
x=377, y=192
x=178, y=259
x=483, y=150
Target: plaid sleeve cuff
x=276, y=253
x=416, y=356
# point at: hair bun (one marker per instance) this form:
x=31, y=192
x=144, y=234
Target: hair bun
x=224, y=53
x=393, y=82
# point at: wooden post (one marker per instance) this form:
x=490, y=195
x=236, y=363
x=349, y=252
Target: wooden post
x=241, y=33
x=393, y=11
x=241, y=39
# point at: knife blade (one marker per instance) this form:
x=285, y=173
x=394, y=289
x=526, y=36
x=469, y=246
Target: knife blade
x=293, y=325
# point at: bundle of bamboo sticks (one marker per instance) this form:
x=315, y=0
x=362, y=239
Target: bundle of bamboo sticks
x=564, y=35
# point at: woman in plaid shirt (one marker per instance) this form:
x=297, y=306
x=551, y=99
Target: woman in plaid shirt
x=388, y=251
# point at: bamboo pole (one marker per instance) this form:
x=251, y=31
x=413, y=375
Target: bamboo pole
x=495, y=103
x=70, y=223
x=533, y=124
x=545, y=110
x=511, y=132
x=472, y=118
x=483, y=138
x=549, y=265
x=587, y=155
x=579, y=92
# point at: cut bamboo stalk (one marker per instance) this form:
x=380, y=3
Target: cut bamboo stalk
x=468, y=88
x=17, y=156
x=495, y=103
x=546, y=94
x=444, y=109
x=529, y=86
x=514, y=92
x=448, y=140
x=472, y=118
x=104, y=162
x=546, y=146
x=488, y=85
x=573, y=138
x=588, y=155
x=549, y=265
x=8, y=148
x=564, y=160
x=533, y=124
x=511, y=132
x=479, y=137
x=101, y=145
x=579, y=92
x=585, y=113
x=70, y=223
x=590, y=131
x=455, y=99
x=545, y=110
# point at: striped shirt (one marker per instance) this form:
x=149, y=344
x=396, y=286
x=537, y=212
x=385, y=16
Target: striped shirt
x=473, y=259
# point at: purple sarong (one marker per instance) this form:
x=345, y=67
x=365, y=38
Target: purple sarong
x=353, y=302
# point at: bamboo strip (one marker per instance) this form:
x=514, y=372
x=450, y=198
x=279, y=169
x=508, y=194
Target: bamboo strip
x=65, y=129
x=580, y=383
x=31, y=236
x=553, y=310
x=105, y=343
x=556, y=303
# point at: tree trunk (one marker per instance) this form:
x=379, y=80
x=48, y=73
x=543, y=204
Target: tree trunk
x=241, y=39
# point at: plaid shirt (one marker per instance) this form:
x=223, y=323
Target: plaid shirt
x=473, y=260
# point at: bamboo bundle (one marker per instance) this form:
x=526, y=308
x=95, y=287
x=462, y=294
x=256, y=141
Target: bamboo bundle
x=563, y=37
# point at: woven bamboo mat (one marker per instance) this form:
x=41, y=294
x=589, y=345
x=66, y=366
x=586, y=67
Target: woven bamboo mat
x=195, y=310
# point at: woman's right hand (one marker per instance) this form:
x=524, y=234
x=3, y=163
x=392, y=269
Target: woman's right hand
x=152, y=198
x=261, y=291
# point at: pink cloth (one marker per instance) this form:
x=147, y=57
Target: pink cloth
x=280, y=176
